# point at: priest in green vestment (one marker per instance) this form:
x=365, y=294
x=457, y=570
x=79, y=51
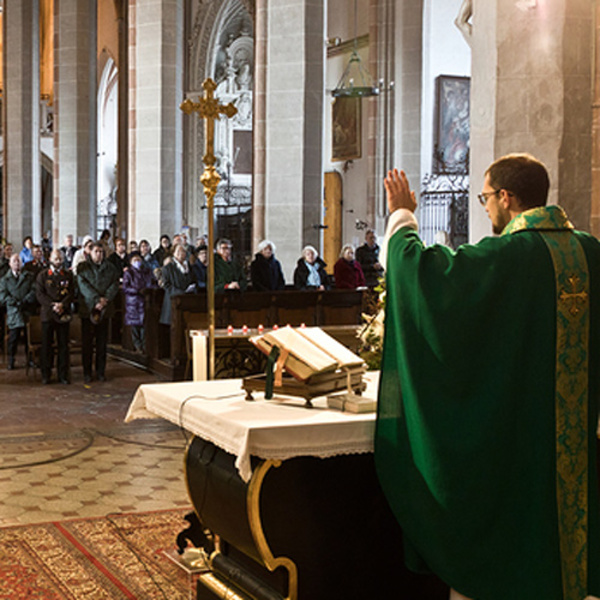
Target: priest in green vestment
x=488, y=402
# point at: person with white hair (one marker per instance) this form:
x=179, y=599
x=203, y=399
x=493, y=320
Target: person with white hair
x=83, y=253
x=310, y=271
x=347, y=271
x=265, y=270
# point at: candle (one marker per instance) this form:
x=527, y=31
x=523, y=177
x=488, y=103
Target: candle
x=260, y=328
x=275, y=327
x=244, y=328
x=230, y=329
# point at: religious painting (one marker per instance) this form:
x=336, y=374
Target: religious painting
x=346, y=123
x=452, y=126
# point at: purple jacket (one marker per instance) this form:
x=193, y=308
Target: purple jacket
x=134, y=281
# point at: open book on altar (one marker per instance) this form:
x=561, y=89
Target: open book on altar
x=307, y=351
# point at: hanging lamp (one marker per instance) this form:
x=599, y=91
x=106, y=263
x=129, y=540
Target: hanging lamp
x=356, y=81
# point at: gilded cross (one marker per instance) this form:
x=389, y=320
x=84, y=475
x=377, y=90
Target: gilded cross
x=573, y=296
x=209, y=109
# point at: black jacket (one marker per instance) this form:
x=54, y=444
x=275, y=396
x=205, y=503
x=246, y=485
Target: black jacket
x=266, y=274
x=301, y=274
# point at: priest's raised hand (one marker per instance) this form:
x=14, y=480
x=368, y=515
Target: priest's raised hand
x=399, y=194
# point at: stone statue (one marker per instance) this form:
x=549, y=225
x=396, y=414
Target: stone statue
x=462, y=20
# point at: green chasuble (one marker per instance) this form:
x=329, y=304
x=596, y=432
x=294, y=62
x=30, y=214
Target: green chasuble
x=488, y=408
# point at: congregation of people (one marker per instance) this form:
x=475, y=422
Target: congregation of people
x=60, y=283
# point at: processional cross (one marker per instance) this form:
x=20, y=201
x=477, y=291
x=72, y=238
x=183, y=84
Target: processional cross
x=574, y=295
x=209, y=109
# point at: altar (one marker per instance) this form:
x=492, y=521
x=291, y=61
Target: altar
x=291, y=494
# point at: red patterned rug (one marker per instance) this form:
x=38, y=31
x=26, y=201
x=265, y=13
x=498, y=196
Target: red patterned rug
x=114, y=557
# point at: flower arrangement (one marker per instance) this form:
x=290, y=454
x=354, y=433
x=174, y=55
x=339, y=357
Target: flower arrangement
x=371, y=334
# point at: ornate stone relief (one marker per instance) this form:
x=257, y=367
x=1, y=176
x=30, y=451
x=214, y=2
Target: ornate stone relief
x=221, y=46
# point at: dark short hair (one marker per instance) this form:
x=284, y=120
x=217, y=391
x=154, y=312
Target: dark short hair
x=27, y=237
x=524, y=176
x=97, y=245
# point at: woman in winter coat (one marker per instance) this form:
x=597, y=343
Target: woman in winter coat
x=347, y=271
x=136, y=279
x=265, y=270
x=310, y=271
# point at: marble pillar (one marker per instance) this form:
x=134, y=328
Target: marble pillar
x=531, y=92
x=75, y=119
x=156, y=91
x=293, y=93
x=22, y=175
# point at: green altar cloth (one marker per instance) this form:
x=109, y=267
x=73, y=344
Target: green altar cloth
x=473, y=414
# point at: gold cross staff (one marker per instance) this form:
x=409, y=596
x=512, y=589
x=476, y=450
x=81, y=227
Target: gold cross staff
x=573, y=296
x=209, y=109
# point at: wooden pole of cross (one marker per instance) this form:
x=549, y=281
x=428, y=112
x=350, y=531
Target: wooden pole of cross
x=209, y=109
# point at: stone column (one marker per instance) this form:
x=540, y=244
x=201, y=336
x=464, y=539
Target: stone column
x=259, y=125
x=75, y=118
x=408, y=89
x=531, y=92
x=294, y=63
x=22, y=175
x=156, y=91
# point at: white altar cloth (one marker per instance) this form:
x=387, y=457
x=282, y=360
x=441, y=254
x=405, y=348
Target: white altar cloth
x=277, y=429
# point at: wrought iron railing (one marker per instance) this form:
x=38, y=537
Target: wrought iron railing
x=444, y=209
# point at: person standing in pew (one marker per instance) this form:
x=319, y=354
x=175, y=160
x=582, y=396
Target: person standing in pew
x=200, y=266
x=229, y=274
x=135, y=280
x=310, y=273
x=55, y=292
x=485, y=441
x=17, y=293
x=266, y=273
x=347, y=272
x=176, y=278
x=98, y=283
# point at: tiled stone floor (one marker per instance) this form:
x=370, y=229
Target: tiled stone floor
x=91, y=463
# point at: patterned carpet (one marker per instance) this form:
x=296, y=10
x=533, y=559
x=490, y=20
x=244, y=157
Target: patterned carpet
x=113, y=557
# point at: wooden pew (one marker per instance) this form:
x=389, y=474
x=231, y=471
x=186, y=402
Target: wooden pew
x=167, y=349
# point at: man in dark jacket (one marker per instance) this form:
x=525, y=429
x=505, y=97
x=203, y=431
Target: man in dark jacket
x=55, y=290
x=17, y=293
x=368, y=257
x=98, y=282
x=37, y=264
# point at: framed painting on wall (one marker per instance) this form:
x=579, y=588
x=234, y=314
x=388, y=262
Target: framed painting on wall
x=345, y=129
x=452, y=126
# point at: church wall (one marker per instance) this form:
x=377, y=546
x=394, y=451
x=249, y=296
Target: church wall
x=108, y=32
x=157, y=71
x=445, y=52
x=354, y=173
x=294, y=90
x=408, y=79
x=531, y=93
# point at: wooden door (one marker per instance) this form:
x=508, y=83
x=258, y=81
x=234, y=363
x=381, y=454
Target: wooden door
x=333, y=202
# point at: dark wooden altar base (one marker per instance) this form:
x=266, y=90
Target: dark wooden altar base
x=327, y=515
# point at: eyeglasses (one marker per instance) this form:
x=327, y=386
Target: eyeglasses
x=483, y=197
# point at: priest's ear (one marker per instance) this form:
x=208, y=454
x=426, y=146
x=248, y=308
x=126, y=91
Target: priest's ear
x=508, y=201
